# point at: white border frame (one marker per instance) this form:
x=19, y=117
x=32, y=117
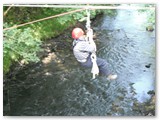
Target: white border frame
x=84, y=2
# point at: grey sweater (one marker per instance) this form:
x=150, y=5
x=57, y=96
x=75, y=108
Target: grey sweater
x=82, y=49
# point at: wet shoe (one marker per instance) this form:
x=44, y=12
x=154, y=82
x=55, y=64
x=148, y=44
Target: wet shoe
x=112, y=77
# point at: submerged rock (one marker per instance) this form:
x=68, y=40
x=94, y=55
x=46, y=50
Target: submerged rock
x=148, y=65
x=146, y=108
x=149, y=28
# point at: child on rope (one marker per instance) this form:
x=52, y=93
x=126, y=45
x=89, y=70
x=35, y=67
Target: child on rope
x=82, y=50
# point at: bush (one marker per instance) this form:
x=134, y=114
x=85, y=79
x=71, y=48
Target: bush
x=24, y=42
x=19, y=44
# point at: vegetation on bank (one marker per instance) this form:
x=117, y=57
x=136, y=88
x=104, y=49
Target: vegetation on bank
x=21, y=44
x=150, y=12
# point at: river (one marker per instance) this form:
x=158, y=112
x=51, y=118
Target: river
x=64, y=88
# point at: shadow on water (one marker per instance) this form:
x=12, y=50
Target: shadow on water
x=66, y=89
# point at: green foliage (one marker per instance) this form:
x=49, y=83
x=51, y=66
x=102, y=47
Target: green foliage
x=24, y=42
x=48, y=28
x=151, y=18
x=150, y=13
x=19, y=44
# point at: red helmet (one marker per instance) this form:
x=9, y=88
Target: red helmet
x=77, y=33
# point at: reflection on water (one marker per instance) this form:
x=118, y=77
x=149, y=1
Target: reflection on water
x=126, y=44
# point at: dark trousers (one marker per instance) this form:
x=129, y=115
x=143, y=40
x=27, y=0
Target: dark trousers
x=102, y=65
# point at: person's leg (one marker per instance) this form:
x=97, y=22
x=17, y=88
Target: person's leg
x=103, y=66
x=88, y=63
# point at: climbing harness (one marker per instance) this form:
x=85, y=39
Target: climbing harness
x=95, y=69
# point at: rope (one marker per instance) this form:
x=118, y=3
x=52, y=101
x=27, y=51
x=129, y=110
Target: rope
x=88, y=19
x=83, y=6
x=66, y=13
x=67, y=6
x=95, y=69
x=7, y=10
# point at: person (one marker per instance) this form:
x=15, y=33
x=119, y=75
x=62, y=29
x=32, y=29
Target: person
x=82, y=50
